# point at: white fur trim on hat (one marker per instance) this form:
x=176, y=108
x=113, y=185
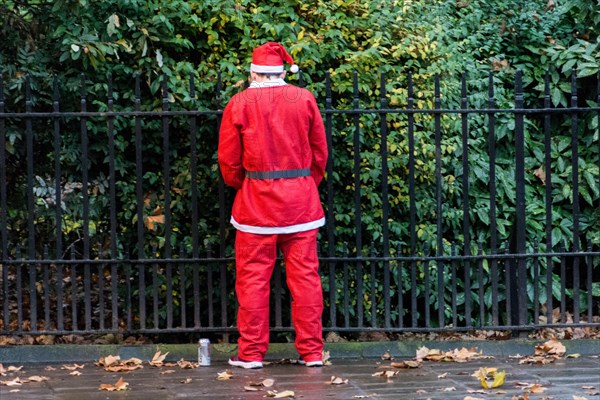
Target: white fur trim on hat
x=294, y=68
x=266, y=69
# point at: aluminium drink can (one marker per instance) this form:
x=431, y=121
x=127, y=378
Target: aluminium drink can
x=204, y=352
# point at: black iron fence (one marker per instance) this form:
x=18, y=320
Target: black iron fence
x=116, y=219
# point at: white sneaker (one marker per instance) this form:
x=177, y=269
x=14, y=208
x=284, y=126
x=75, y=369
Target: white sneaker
x=236, y=361
x=315, y=363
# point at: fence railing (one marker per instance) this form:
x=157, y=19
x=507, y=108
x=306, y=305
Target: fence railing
x=116, y=220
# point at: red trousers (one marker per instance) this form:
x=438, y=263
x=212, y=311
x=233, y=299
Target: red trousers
x=255, y=260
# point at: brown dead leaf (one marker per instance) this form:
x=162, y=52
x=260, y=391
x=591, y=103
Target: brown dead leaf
x=336, y=380
x=536, y=388
x=108, y=360
x=14, y=369
x=280, y=395
x=152, y=220
x=406, y=364
x=224, y=376
x=72, y=367
x=386, y=356
x=498, y=65
x=2, y=370
x=268, y=382
x=13, y=382
x=122, y=368
x=422, y=353
x=37, y=378
x=385, y=374
x=326, y=358
x=120, y=385
x=187, y=364
x=186, y=381
x=168, y=371
x=551, y=347
x=74, y=373
x=132, y=361
x=49, y=368
x=541, y=174
x=251, y=389
x=158, y=359
x=456, y=355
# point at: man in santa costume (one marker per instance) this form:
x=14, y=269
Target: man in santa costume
x=273, y=150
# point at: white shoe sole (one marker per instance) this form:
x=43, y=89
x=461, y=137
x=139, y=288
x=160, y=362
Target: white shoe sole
x=311, y=363
x=246, y=364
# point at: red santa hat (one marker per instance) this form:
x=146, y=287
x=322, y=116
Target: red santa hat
x=269, y=58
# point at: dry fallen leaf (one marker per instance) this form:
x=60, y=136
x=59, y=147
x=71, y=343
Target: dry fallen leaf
x=385, y=374
x=158, y=359
x=406, y=364
x=49, y=368
x=187, y=380
x=108, y=360
x=224, y=376
x=168, y=371
x=14, y=369
x=120, y=385
x=443, y=376
x=456, y=355
x=74, y=373
x=251, y=389
x=14, y=382
x=268, y=382
x=536, y=388
x=386, y=356
x=579, y=398
x=37, y=378
x=187, y=364
x=336, y=380
x=72, y=367
x=280, y=395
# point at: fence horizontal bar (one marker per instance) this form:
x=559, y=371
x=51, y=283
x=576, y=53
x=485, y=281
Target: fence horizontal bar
x=503, y=256
x=527, y=327
x=101, y=114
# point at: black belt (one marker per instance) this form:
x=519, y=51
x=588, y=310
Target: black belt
x=286, y=173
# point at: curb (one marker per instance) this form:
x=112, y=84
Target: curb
x=57, y=354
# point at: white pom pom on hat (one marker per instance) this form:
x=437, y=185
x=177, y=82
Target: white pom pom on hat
x=269, y=58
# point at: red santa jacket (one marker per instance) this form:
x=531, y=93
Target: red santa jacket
x=268, y=128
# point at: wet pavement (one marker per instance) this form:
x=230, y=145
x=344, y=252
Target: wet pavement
x=563, y=379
